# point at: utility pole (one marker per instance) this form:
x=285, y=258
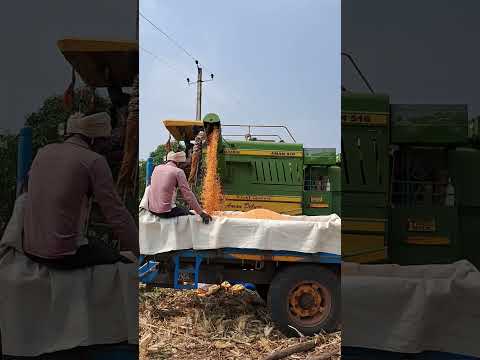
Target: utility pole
x=199, y=82
x=199, y=93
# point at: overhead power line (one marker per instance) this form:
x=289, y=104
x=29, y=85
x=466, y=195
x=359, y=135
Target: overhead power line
x=176, y=43
x=169, y=37
x=170, y=66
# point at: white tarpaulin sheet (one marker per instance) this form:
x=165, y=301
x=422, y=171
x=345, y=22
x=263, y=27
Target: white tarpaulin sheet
x=412, y=308
x=44, y=310
x=307, y=234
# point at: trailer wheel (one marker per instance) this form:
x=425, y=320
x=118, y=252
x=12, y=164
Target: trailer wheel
x=307, y=298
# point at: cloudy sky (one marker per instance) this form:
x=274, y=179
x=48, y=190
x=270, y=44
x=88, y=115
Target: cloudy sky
x=275, y=62
x=33, y=68
x=415, y=51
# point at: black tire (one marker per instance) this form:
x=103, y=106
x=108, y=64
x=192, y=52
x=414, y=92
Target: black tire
x=287, y=282
x=262, y=290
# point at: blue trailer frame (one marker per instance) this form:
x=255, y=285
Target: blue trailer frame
x=148, y=272
x=256, y=269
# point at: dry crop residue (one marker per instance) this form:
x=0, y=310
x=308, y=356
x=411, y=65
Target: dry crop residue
x=212, y=191
x=182, y=325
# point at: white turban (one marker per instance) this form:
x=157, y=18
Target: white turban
x=177, y=156
x=92, y=126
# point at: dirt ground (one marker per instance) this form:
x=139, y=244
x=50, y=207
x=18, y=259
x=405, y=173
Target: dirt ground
x=223, y=325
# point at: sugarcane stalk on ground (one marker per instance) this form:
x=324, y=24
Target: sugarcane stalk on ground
x=283, y=353
x=324, y=356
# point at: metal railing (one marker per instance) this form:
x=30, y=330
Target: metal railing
x=316, y=184
x=250, y=127
x=253, y=137
x=418, y=193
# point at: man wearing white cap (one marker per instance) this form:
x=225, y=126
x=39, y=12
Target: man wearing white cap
x=165, y=180
x=63, y=177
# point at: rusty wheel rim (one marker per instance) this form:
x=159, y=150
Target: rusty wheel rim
x=309, y=303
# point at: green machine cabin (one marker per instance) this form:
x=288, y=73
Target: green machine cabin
x=275, y=175
x=410, y=176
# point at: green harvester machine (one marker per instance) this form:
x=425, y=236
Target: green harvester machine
x=302, y=290
x=410, y=181
x=281, y=176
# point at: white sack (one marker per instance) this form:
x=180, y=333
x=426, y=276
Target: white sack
x=412, y=308
x=307, y=234
x=44, y=310
x=144, y=201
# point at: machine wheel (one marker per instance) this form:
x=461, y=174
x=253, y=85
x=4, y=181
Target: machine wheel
x=306, y=297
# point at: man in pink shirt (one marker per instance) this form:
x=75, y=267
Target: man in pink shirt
x=165, y=180
x=63, y=177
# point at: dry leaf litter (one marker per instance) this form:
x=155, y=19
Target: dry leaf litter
x=216, y=322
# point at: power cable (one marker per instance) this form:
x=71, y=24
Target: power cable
x=170, y=66
x=171, y=39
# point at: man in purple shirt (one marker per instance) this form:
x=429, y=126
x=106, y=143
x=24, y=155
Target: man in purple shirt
x=63, y=178
x=165, y=180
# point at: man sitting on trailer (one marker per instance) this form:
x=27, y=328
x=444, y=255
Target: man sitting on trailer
x=165, y=180
x=63, y=178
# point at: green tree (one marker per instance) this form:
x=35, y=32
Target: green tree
x=45, y=122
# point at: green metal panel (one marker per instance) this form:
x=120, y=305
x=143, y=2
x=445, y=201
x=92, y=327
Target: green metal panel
x=429, y=124
x=359, y=102
x=258, y=145
x=222, y=166
x=254, y=173
x=316, y=199
x=335, y=176
x=262, y=177
x=326, y=197
x=465, y=170
x=365, y=143
x=464, y=166
x=470, y=234
x=320, y=156
x=365, y=176
x=420, y=244
x=364, y=232
x=364, y=200
x=365, y=159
